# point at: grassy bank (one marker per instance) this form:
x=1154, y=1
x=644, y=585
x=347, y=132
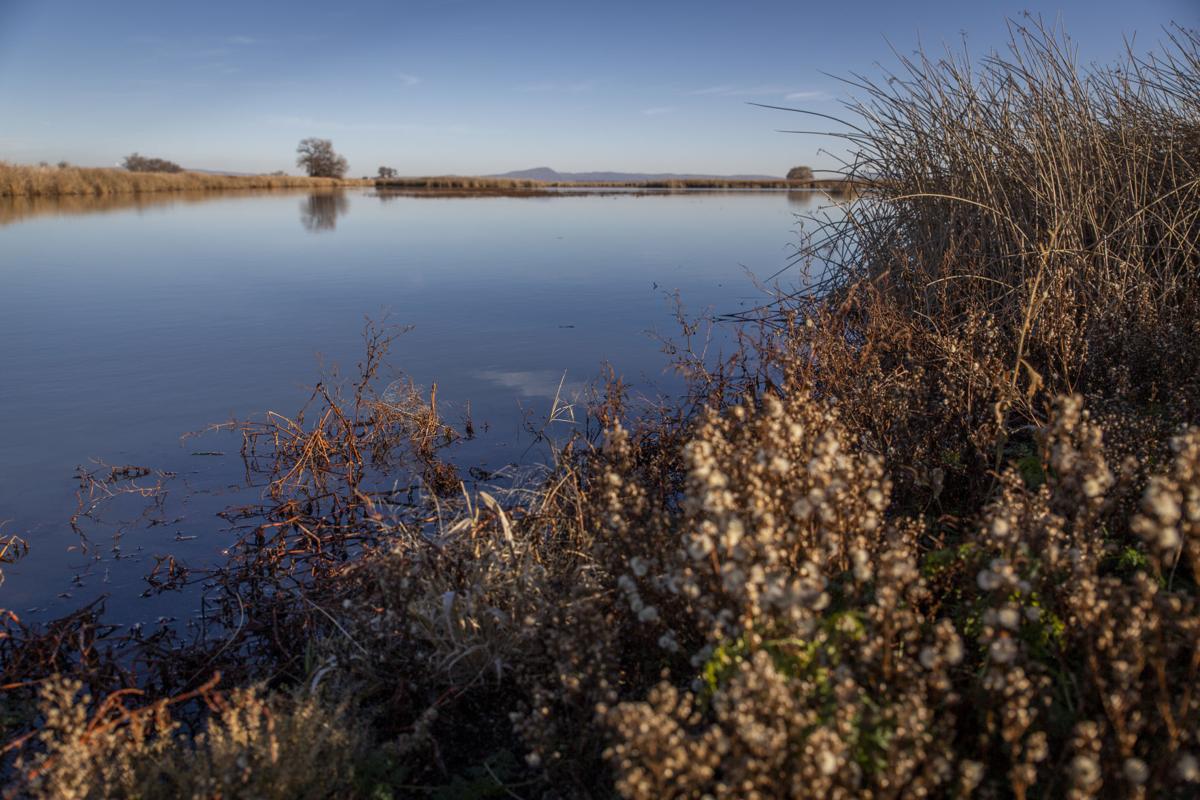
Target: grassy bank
x=34, y=181
x=932, y=532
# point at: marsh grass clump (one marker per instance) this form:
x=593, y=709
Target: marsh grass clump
x=934, y=531
x=1057, y=202
x=18, y=180
x=252, y=745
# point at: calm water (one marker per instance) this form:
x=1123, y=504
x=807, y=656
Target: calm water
x=122, y=328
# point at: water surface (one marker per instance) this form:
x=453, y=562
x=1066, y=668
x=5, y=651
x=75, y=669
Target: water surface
x=125, y=323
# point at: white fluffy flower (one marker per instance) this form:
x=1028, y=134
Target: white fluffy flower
x=987, y=580
x=1136, y=771
x=1085, y=770
x=1003, y=650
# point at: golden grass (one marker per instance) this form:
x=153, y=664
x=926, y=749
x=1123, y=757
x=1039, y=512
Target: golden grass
x=18, y=180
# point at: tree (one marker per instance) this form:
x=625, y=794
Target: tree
x=137, y=163
x=387, y=172
x=800, y=174
x=317, y=157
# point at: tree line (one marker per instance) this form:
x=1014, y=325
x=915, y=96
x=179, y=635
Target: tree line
x=319, y=160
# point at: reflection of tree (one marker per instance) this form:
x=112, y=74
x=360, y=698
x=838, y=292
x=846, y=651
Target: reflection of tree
x=319, y=211
x=804, y=197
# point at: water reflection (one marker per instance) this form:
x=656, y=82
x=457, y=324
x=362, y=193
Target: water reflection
x=16, y=209
x=809, y=197
x=320, y=210
x=176, y=311
x=543, y=383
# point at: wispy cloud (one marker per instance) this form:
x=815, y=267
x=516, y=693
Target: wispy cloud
x=219, y=67
x=658, y=111
x=808, y=95
x=242, y=40
x=552, y=86
x=407, y=80
x=340, y=126
x=757, y=90
x=535, y=383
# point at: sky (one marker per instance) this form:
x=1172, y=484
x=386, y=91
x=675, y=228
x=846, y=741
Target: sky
x=467, y=87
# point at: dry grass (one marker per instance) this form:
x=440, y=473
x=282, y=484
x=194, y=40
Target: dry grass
x=252, y=746
x=932, y=533
x=34, y=181
x=1061, y=204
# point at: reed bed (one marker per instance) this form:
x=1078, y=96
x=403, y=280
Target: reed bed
x=36, y=181
x=933, y=530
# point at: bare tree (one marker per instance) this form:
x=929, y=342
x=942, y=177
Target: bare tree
x=138, y=163
x=800, y=174
x=318, y=158
x=387, y=172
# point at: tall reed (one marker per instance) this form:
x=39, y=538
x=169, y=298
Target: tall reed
x=1061, y=202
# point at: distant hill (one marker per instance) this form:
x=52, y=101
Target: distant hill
x=553, y=176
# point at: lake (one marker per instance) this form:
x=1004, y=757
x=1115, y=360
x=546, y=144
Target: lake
x=125, y=323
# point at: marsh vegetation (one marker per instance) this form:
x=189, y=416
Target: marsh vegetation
x=41, y=181
x=485, y=184
x=933, y=530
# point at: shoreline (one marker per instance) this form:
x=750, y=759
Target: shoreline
x=35, y=181
x=17, y=180
x=483, y=184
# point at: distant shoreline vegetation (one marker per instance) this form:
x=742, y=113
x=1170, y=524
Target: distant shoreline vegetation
x=484, y=184
x=17, y=180
x=20, y=180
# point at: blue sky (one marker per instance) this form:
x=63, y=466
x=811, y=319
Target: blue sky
x=458, y=86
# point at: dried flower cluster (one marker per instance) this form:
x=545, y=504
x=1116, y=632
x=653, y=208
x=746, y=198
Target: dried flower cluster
x=251, y=747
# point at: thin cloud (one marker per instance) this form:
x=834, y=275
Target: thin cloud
x=551, y=86
x=810, y=95
x=220, y=67
x=755, y=90
x=243, y=40
x=658, y=110
x=406, y=79
x=535, y=383
x=314, y=124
